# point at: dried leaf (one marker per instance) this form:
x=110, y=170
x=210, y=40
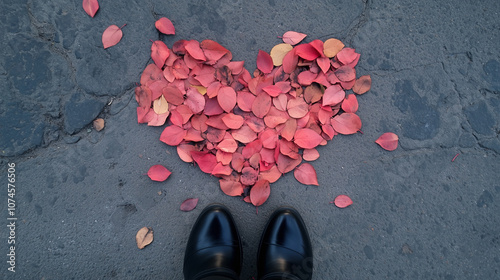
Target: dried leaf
x=264, y=62
x=278, y=52
x=307, y=138
x=333, y=95
x=350, y=104
x=159, y=53
x=165, y=26
x=310, y=154
x=111, y=36
x=189, y=204
x=160, y=105
x=173, y=135
x=260, y=192
x=306, y=174
x=332, y=47
x=158, y=173
x=347, y=123
x=98, y=124
x=362, y=84
x=144, y=237
x=388, y=141
x=231, y=188
x=342, y=201
x=293, y=38
x=226, y=98
x=90, y=7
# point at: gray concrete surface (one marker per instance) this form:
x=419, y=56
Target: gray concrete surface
x=81, y=195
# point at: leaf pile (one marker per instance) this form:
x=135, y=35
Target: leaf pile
x=248, y=130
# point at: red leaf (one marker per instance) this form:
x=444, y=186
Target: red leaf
x=111, y=36
x=165, y=26
x=159, y=53
x=342, y=201
x=310, y=154
x=231, y=188
x=345, y=73
x=233, y=121
x=158, y=173
x=90, y=7
x=226, y=98
x=184, y=152
x=193, y=48
x=333, y=95
x=293, y=38
x=264, y=62
x=350, y=104
x=290, y=61
x=362, y=84
x=260, y=192
x=307, y=138
x=173, y=135
x=213, y=50
x=388, y=141
x=248, y=176
x=307, y=52
x=347, y=55
x=261, y=104
x=347, y=123
x=205, y=161
x=195, y=101
x=189, y=204
x=297, y=107
x=306, y=174
x=228, y=145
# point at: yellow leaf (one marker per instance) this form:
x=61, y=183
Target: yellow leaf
x=144, y=237
x=332, y=46
x=278, y=52
x=201, y=89
x=160, y=105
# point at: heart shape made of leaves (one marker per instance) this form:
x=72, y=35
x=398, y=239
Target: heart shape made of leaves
x=249, y=131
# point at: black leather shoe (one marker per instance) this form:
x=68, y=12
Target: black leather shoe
x=285, y=250
x=214, y=246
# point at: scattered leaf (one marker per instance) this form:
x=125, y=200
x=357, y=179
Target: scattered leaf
x=342, y=201
x=158, y=173
x=388, y=141
x=90, y=7
x=98, y=124
x=362, y=84
x=144, y=237
x=111, y=36
x=306, y=174
x=293, y=38
x=159, y=53
x=260, y=192
x=165, y=26
x=189, y=204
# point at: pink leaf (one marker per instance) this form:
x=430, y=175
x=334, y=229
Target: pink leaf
x=388, y=141
x=342, y=201
x=293, y=38
x=158, y=173
x=189, y=204
x=264, y=62
x=165, y=26
x=90, y=7
x=306, y=174
x=111, y=36
x=260, y=192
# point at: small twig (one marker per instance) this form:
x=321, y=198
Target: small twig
x=454, y=158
